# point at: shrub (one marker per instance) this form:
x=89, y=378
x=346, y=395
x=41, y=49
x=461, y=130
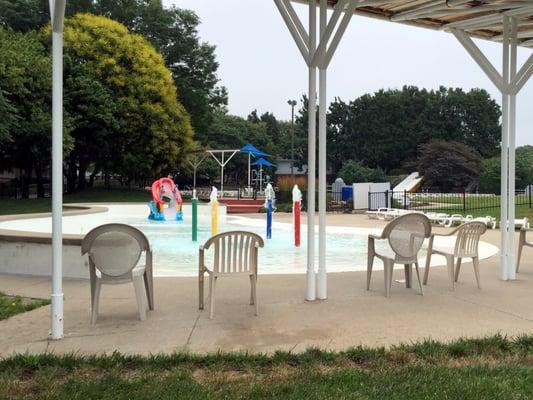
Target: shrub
x=449, y=165
x=354, y=171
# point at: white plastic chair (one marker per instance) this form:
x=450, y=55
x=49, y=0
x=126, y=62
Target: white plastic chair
x=114, y=253
x=405, y=236
x=235, y=253
x=465, y=246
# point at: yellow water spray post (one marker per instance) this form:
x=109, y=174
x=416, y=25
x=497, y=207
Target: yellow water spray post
x=214, y=210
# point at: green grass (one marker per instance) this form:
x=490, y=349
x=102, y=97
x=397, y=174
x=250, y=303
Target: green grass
x=96, y=195
x=12, y=305
x=490, y=368
x=475, y=206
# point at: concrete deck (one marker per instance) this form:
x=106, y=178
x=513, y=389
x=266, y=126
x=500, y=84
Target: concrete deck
x=351, y=316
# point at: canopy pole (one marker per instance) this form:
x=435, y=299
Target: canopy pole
x=249, y=172
x=310, y=294
x=315, y=57
x=322, y=284
x=57, y=11
x=504, y=192
x=511, y=269
x=509, y=83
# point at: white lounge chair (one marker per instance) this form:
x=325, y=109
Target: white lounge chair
x=377, y=214
x=523, y=242
x=114, y=253
x=465, y=246
x=435, y=217
x=452, y=220
x=405, y=236
x=491, y=222
x=235, y=253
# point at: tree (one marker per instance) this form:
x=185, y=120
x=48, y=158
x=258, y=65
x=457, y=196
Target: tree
x=25, y=86
x=385, y=128
x=233, y=132
x=490, y=179
x=173, y=31
x=448, y=165
x=354, y=171
x=272, y=126
x=122, y=101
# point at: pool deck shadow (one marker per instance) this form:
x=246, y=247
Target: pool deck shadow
x=350, y=316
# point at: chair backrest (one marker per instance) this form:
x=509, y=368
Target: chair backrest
x=235, y=252
x=406, y=235
x=114, y=249
x=468, y=235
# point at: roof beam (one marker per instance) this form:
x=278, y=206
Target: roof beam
x=488, y=20
x=295, y=27
x=440, y=10
x=483, y=62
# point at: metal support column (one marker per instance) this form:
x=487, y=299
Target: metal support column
x=57, y=12
x=509, y=83
x=321, y=290
x=319, y=57
x=310, y=293
x=504, y=192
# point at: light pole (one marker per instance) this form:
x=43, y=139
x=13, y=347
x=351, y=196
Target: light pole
x=292, y=103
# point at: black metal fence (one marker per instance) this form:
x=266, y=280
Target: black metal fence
x=444, y=202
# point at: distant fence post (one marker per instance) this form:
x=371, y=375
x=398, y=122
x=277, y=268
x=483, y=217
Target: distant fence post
x=529, y=194
x=369, y=201
x=386, y=199
x=464, y=201
x=405, y=199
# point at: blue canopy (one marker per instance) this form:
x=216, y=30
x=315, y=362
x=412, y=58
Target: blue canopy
x=254, y=151
x=263, y=162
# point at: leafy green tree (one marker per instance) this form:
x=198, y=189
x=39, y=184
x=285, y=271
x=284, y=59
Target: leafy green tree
x=25, y=86
x=490, y=179
x=7, y=119
x=233, y=132
x=155, y=130
x=449, y=165
x=386, y=128
x=96, y=123
x=173, y=31
x=354, y=171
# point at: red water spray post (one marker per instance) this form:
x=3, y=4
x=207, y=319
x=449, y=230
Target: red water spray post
x=296, y=208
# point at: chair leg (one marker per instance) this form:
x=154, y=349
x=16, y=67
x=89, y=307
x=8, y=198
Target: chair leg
x=253, y=281
x=475, y=261
x=458, y=268
x=417, y=269
x=520, y=248
x=426, y=267
x=140, y=294
x=387, y=268
x=201, y=290
x=370, y=264
x=212, y=288
x=451, y=275
x=408, y=275
x=149, y=288
x=251, y=290
x=95, y=300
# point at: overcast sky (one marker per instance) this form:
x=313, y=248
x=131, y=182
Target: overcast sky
x=262, y=68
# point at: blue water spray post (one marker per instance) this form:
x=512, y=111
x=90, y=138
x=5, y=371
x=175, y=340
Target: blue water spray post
x=270, y=198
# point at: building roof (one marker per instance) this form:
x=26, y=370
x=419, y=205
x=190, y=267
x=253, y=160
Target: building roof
x=478, y=18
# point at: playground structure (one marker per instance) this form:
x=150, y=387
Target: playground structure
x=159, y=210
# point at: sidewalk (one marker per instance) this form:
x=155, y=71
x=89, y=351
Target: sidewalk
x=351, y=316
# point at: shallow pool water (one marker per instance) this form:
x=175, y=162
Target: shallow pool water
x=176, y=254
